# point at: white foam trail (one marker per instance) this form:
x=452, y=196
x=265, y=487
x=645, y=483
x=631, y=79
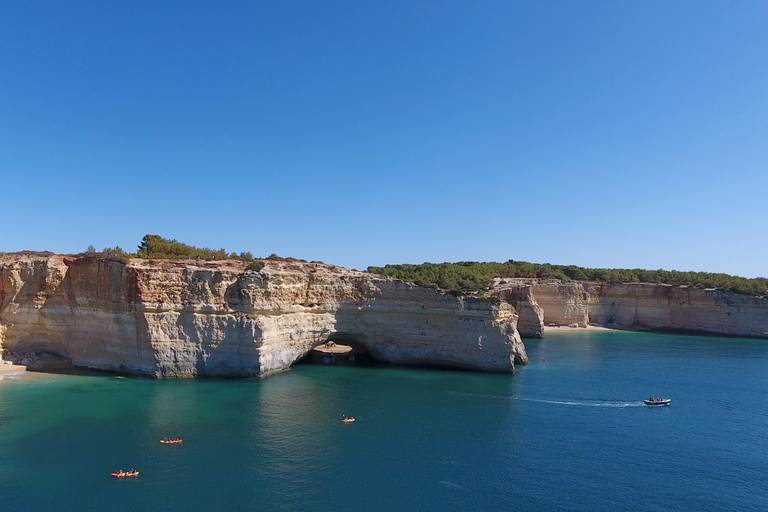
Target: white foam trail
x=607, y=403
x=583, y=403
x=480, y=396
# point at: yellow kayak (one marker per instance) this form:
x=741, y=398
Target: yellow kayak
x=123, y=474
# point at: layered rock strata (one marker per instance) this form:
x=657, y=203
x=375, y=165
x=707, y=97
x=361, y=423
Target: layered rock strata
x=172, y=318
x=647, y=306
x=530, y=321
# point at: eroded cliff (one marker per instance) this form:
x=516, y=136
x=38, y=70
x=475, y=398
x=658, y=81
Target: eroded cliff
x=643, y=306
x=530, y=321
x=174, y=318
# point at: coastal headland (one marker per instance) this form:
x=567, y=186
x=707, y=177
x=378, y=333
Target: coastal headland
x=187, y=318
x=192, y=317
x=632, y=306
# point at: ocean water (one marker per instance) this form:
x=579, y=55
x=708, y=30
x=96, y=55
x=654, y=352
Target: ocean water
x=570, y=433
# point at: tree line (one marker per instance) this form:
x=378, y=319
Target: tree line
x=157, y=247
x=476, y=277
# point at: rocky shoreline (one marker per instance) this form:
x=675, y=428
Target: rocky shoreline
x=16, y=364
x=187, y=318
x=633, y=307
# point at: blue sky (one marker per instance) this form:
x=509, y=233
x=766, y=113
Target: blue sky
x=602, y=134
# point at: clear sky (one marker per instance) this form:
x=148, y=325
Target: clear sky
x=600, y=133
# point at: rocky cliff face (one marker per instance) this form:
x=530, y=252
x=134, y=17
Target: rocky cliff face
x=171, y=318
x=678, y=308
x=647, y=306
x=530, y=321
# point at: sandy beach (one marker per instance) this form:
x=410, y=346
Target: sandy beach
x=9, y=371
x=564, y=328
x=45, y=364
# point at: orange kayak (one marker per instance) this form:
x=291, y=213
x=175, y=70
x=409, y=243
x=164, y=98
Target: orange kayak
x=172, y=441
x=348, y=420
x=123, y=474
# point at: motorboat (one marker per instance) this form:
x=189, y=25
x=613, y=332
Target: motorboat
x=657, y=401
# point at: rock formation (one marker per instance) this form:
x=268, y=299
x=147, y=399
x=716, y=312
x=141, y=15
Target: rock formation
x=530, y=321
x=183, y=318
x=641, y=306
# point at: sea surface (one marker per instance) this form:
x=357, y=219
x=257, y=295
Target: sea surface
x=570, y=433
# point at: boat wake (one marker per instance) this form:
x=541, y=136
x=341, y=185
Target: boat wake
x=582, y=403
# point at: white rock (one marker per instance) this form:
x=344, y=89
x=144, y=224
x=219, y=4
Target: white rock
x=186, y=318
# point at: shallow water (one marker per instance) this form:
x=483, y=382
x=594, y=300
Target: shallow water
x=570, y=433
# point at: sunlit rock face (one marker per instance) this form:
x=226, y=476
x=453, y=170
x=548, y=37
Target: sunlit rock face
x=530, y=321
x=678, y=308
x=184, y=318
x=644, y=306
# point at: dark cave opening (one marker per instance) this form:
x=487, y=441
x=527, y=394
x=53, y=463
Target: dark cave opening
x=341, y=349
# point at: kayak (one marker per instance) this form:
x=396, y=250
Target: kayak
x=172, y=441
x=123, y=474
x=348, y=420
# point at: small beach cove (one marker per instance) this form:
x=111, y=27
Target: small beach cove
x=38, y=365
x=11, y=371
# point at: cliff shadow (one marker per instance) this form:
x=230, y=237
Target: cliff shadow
x=343, y=349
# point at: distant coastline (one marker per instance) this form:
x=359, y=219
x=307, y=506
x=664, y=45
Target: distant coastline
x=174, y=310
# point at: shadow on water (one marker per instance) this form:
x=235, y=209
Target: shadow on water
x=342, y=349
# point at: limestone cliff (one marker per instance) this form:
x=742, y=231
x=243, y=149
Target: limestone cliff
x=646, y=306
x=180, y=318
x=530, y=321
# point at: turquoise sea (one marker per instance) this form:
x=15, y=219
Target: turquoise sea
x=570, y=433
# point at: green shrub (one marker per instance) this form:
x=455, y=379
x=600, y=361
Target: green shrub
x=256, y=266
x=116, y=254
x=474, y=277
x=155, y=246
x=109, y=253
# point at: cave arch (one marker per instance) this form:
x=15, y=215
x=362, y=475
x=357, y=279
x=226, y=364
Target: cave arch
x=344, y=349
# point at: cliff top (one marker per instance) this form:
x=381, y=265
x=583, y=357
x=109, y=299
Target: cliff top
x=470, y=276
x=227, y=265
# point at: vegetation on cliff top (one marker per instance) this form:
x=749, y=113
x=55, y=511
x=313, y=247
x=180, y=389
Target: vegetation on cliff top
x=109, y=253
x=157, y=247
x=473, y=277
